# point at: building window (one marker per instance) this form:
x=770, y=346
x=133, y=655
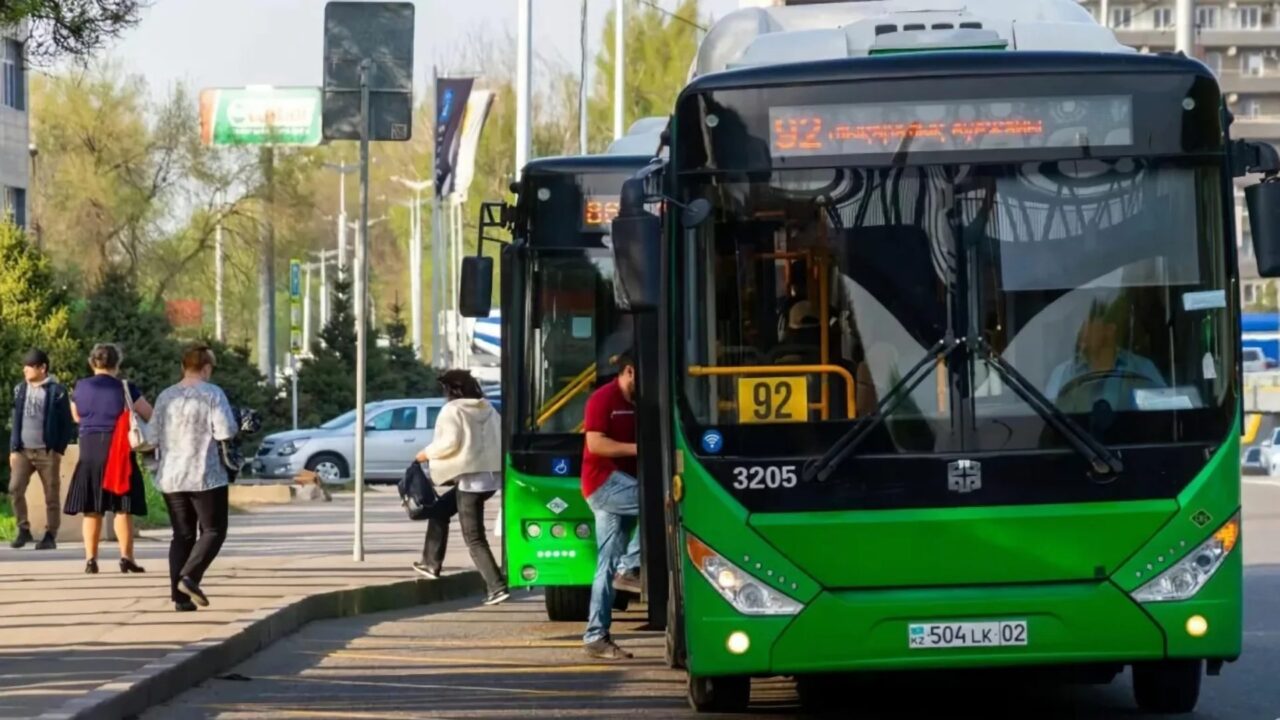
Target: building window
x=1122, y=18
x=1207, y=18
x=1163, y=18
x=14, y=80
x=1251, y=64
x=1248, y=18
x=1213, y=59
x=1250, y=108
x=1250, y=293
x=15, y=206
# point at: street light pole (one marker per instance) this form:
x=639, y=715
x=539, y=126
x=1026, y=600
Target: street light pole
x=343, y=169
x=415, y=259
x=1184, y=27
x=219, y=274
x=619, y=62
x=524, y=62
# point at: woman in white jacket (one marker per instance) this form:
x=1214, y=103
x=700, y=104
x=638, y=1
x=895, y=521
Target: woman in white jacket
x=465, y=451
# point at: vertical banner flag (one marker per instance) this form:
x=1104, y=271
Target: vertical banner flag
x=295, y=306
x=452, y=95
x=477, y=113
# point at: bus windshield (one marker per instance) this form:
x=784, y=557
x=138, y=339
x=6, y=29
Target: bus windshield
x=813, y=294
x=574, y=329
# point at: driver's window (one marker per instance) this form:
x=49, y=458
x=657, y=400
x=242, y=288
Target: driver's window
x=404, y=418
x=382, y=421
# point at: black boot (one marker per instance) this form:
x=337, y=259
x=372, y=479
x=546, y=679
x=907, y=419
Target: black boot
x=24, y=537
x=47, y=542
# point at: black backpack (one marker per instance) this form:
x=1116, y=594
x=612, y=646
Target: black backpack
x=417, y=493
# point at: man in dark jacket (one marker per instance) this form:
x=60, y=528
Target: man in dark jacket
x=42, y=429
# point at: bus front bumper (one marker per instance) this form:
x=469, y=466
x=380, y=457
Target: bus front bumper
x=871, y=630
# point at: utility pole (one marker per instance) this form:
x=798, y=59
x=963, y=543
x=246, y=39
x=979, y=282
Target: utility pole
x=323, y=258
x=1184, y=27
x=619, y=63
x=524, y=62
x=267, y=272
x=219, y=272
x=582, y=82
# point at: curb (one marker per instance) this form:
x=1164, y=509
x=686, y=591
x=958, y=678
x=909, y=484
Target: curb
x=158, y=681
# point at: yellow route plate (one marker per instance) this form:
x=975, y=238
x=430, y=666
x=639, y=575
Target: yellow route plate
x=773, y=400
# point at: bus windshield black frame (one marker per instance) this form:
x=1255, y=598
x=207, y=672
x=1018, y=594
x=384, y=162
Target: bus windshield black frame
x=959, y=219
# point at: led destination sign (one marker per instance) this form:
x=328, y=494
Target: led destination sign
x=1003, y=124
x=599, y=210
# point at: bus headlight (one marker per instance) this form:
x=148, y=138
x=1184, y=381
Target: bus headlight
x=1189, y=574
x=583, y=531
x=744, y=592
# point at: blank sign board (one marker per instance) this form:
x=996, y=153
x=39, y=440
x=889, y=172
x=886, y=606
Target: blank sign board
x=381, y=33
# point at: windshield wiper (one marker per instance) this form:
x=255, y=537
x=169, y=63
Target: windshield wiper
x=822, y=467
x=1104, y=461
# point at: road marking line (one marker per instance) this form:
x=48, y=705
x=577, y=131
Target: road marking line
x=1270, y=482
x=512, y=666
x=434, y=686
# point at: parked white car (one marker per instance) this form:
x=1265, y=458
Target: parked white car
x=395, y=430
x=1254, y=360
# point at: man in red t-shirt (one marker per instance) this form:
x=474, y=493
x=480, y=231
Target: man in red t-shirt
x=610, y=487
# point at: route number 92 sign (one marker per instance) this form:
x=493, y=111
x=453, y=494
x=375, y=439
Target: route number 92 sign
x=773, y=400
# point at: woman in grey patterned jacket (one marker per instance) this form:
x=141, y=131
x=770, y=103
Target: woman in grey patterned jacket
x=189, y=421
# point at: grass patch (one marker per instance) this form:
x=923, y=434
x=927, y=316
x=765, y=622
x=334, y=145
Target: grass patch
x=8, y=524
x=157, y=517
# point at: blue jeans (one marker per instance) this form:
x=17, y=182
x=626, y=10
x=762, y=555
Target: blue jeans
x=616, y=505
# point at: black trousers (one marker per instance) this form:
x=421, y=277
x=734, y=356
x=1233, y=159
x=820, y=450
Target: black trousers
x=469, y=507
x=190, y=555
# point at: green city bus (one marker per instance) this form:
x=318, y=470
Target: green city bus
x=947, y=363
x=560, y=328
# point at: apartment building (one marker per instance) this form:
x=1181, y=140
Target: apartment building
x=15, y=142
x=1240, y=41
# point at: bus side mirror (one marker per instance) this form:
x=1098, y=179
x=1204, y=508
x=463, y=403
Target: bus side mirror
x=475, y=286
x=637, y=238
x=1263, y=200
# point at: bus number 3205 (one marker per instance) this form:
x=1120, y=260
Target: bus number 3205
x=760, y=477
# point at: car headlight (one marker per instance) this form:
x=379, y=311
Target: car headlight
x=1189, y=574
x=291, y=447
x=744, y=592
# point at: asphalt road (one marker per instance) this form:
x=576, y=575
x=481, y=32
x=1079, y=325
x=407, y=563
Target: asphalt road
x=466, y=661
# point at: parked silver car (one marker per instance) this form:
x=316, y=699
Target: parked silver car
x=1254, y=462
x=395, y=430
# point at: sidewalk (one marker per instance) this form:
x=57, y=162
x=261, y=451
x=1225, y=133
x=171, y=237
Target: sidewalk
x=63, y=633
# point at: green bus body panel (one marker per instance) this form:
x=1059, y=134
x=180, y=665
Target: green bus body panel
x=1079, y=622
x=714, y=517
x=964, y=546
x=912, y=557
x=1215, y=491
x=569, y=560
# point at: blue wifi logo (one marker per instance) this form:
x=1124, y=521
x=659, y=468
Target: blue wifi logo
x=712, y=441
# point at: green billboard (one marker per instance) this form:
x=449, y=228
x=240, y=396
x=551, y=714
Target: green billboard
x=260, y=116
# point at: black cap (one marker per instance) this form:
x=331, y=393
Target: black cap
x=35, y=358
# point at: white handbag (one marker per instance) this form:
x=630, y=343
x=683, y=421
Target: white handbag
x=137, y=426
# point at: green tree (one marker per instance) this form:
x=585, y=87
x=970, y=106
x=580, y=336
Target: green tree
x=116, y=313
x=660, y=50
x=34, y=312
x=69, y=27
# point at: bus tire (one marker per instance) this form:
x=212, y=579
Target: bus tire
x=721, y=694
x=1171, y=687
x=568, y=603
x=820, y=693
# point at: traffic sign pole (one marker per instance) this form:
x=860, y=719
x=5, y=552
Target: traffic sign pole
x=362, y=305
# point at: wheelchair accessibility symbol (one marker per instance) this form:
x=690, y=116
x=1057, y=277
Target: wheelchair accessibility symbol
x=560, y=466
